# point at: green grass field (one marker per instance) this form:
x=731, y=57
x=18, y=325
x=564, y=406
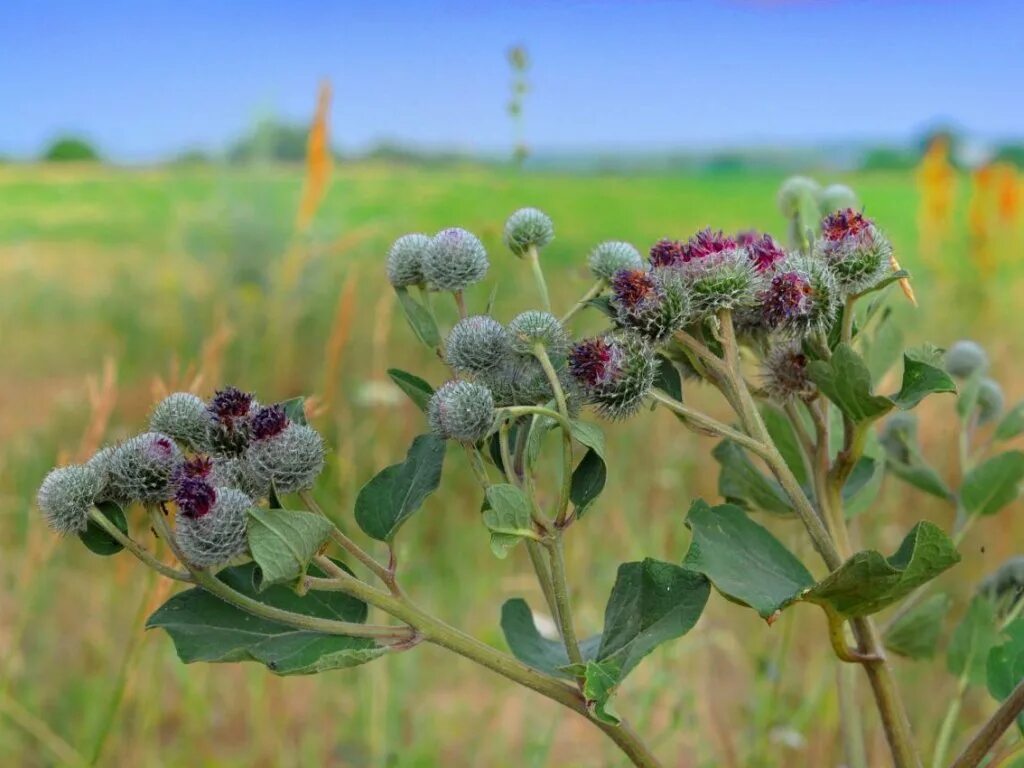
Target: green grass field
x=157, y=271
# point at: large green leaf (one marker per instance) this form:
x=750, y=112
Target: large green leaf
x=416, y=388
x=845, y=380
x=915, y=634
x=869, y=581
x=530, y=647
x=282, y=542
x=921, y=476
x=743, y=560
x=388, y=500
x=1012, y=423
x=507, y=516
x=98, y=541
x=742, y=483
x=205, y=628
x=993, y=484
x=419, y=318
x=1005, y=665
x=973, y=638
x=923, y=375
x=600, y=679
x=651, y=602
x=588, y=480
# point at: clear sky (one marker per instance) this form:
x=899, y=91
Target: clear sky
x=145, y=79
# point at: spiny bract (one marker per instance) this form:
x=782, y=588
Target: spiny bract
x=66, y=496
x=405, y=260
x=218, y=536
x=532, y=328
x=184, y=417
x=612, y=256
x=528, y=228
x=461, y=410
x=615, y=372
x=477, y=344
x=142, y=469
x=454, y=260
x=289, y=461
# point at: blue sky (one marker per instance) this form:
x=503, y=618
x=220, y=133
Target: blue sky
x=146, y=79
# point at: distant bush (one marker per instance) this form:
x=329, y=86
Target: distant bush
x=888, y=159
x=70, y=149
x=1010, y=153
x=271, y=140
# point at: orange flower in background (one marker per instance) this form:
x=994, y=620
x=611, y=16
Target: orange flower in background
x=936, y=178
x=319, y=162
x=979, y=219
x=1007, y=191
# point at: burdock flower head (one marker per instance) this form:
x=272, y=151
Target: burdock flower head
x=801, y=297
x=289, y=459
x=454, y=260
x=615, y=372
x=183, y=416
x=836, y=197
x=719, y=274
x=785, y=374
x=856, y=251
x=229, y=421
x=965, y=357
x=533, y=327
x=268, y=421
x=526, y=229
x=667, y=253
x=461, y=410
x=218, y=534
x=405, y=260
x=611, y=256
x=144, y=467
x=194, y=496
x=990, y=400
x=762, y=249
x=477, y=344
x=793, y=191
x=66, y=496
x=651, y=302
x=898, y=436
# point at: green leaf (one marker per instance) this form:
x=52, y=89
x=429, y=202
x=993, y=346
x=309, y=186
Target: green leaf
x=845, y=380
x=602, y=304
x=668, y=379
x=993, y=484
x=588, y=434
x=527, y=644
x=922, y=375
x=784, y=435
x=416, y=388
x=915, y=634
x=742, y=483
x=743, y=560
x=1005, y=665
x=974, y=637
x=886, y=281
x=884, y=350
x=419, y=319
x=507, y=516
x=295, y=409
x=864, y=472
x=588, y=480
x=385, y=502
x=921, y=476
x=282, y=542
x=868, y=581
x=205, y=628
x=651, y=602
x=97, y=540
x=1012, y=424
x=599, y=682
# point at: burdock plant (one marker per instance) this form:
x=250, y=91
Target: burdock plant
x=782, y=335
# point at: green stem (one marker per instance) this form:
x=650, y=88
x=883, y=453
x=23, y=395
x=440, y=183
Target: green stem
x=703, y=424
x=460, y=303
x=849, y=717
x=140, y=552
x=538, y=410
x=945, y=737
x=538, y=276
x=549, y=370
x=990, y=732
x=558, y=577
x=595, y=291
x=438, y=633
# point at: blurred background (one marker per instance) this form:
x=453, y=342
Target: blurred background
x=194, y=194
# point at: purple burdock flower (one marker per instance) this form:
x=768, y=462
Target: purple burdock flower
x=269, y=421
x=843, y=224
x=763, y=251
x=705, y=243
x=161, y=449
x=594, y=362
x=194, y=496
x=197, y=466
x=788, y=296
x=229, y=404
x=667, y=253
x=631, y=288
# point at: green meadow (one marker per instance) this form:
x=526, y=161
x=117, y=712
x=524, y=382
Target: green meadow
x=117, y=285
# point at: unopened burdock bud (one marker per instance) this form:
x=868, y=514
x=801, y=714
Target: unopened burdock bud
x=532, y=328
x=719, y=274
x=454, y=260
x=217, y=536
x=654, y=303
x=784, y=376
x=990, y=400
x=461, y=410
x=966, y=357
x=184, y=417
x=856, y=251
x=528, y=228
x=898, y=436
x=521, y=380
x=793, y=191
x=234, y=472
x=100, y=464
x=476, y=344
x=611, y=257
x=289, y=461
x=143, y=468
x=836, y=197
x=405, y=260
x=614, y=372
x=66, y=496
x=801, y=298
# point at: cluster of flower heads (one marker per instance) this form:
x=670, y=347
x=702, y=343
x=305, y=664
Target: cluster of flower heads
x=213, y=459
